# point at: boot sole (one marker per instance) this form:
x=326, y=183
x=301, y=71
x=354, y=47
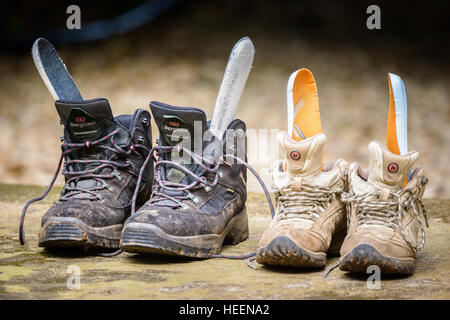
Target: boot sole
x=149, y=239
x=61, y=232
x=364, y=256
x=282, y=251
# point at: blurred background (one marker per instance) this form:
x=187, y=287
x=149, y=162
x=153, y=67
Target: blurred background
x=176, y=51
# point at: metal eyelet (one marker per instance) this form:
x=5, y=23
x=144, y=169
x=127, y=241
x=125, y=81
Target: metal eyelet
x=62, y=138
x=184, y=206
x=207, y=188
x=193, y=198
x=117, y=175
x=101, y=199
x=220, y=174
x=140, y=140
x=145, y=122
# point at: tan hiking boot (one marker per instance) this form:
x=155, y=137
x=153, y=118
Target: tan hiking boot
x=384, y=217
x=308, y=210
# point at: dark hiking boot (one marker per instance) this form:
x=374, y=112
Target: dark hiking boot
x=196, y=205
x=103, y=157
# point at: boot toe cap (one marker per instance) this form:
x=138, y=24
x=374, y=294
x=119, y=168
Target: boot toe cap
x=91, y=213
x=388, y=247
x=303, y=238
x=178, y=222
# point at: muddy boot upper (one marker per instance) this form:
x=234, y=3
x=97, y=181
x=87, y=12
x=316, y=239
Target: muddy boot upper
x=190, y=198
x=385, y=211
x=102, y=159
x=308, y=209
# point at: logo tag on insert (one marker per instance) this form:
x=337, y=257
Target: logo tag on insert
x=83, y=127
x=175, y=129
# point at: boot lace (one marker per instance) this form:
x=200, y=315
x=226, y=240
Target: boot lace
x=387, y=213
x=76, y=170
x=308, y=203
x=199, y=181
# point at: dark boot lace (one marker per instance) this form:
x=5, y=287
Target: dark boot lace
x=76, y=170
x=198, y=181
x=158, y=195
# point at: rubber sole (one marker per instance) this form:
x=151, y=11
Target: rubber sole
x=282, y=251
x=364, y=256
x=150, y=239
x=61, y=232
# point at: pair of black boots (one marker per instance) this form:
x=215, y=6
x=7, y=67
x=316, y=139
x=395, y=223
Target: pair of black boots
x=116, y=196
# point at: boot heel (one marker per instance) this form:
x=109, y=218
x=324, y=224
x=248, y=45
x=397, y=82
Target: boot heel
x=239, y=231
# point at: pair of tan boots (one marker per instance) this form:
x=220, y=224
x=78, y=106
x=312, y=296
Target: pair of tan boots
x=369, y=216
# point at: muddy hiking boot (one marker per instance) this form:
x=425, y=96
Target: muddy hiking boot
x=385, y=213
x=309, y=219
x=103, y=157
x=196, y=204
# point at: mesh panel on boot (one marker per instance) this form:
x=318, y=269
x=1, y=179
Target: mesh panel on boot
x=386, y=169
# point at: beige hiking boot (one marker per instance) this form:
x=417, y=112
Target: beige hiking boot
x=309, y=213
x=384, y=218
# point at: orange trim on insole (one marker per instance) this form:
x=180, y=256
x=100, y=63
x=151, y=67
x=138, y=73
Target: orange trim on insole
x=391, y=134
x=306, y=105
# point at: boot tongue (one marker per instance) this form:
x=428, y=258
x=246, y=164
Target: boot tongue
x=86, y=120
x=183, y=126
x=303, y=158
x=178, y=123
x=386, y=169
